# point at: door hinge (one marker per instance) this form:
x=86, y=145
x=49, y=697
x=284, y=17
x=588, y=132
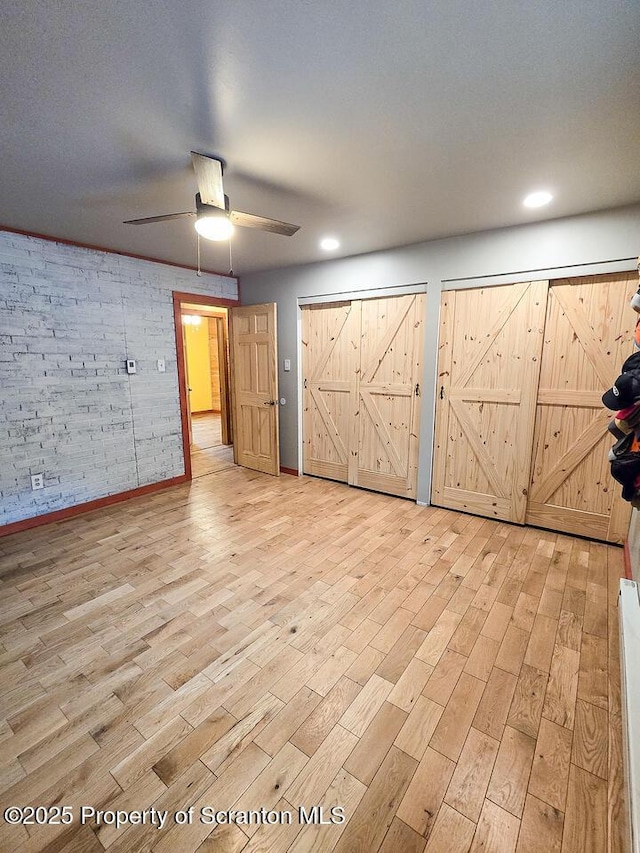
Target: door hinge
x=417, y=389
x=305, y=382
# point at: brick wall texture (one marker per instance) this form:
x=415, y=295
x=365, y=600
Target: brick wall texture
x=69, y=319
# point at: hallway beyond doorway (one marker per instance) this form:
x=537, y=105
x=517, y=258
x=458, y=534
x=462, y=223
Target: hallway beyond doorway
x=208, y=454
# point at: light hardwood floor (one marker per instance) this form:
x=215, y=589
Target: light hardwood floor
x=250, y=641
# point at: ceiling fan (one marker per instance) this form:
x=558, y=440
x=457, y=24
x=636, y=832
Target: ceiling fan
x=214, y=219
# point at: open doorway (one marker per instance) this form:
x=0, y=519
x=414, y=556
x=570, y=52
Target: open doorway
x=203, y=370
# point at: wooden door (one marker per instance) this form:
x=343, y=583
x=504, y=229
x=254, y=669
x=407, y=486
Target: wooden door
x=254, y=378
x=588, y=334
x=361, y=399
x=330, y=359
x=488, y=366
x=387, y=387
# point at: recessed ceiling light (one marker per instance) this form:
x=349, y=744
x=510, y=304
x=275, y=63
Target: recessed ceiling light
x=329, y=244
x=537, y=199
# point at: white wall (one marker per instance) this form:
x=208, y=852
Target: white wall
x=592, y=243
x=69, y=317
x=634, y=545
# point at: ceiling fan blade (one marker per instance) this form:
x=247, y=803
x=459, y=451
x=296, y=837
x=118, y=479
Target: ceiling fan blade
x=164, y=218
x=209, y=179
x=249, y=220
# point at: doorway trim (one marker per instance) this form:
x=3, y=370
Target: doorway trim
x=197, y=299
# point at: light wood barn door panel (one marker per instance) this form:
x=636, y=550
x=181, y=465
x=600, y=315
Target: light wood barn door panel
x=588, y=334
x=330, y=335
x=255, y=387
x=488, y=366
x=388, y=395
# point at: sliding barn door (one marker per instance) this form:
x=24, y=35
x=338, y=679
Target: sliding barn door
x=387, y=411
x=361, y=396
x=489, y=362
x=254, y=379
x=588, y=334
x=330, y=338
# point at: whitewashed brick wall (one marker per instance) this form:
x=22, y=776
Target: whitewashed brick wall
x=69, y=317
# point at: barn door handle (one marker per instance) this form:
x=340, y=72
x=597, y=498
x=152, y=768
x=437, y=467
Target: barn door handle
x=442, y=392
x=305, y=383
x=417, y=389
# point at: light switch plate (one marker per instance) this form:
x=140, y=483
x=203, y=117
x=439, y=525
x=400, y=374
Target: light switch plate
x=287, y=364
x=161, y=365
x=131, y=365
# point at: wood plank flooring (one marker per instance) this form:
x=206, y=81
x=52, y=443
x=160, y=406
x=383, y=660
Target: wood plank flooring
x=250, y=642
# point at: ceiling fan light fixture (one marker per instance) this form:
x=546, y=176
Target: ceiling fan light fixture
x=214, y=218
x=329, y=244
x=538, y=199
x=214, y=226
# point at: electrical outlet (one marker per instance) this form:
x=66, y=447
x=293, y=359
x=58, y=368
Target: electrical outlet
x=37, y=482
x=161, y=365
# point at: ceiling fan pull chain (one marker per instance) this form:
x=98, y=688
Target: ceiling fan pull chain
x=198, y=272
x=230, y=260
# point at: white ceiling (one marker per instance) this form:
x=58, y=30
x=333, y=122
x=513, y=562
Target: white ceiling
x=384, y=123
